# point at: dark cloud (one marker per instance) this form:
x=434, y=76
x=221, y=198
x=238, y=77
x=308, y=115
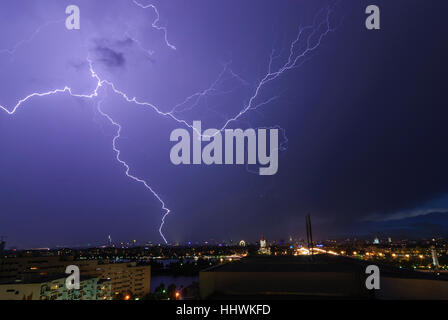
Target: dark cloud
x=110, y=57
x=126, y=42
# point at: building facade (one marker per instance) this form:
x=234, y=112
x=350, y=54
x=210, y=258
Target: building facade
x=120, y=279
x=54, y=288
x=127, y=278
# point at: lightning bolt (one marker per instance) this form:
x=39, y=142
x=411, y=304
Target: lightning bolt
x=147, y=52
x=213, y=90
x=11, y=51
x=127, y=172
x=294, y=60
x=156, y=22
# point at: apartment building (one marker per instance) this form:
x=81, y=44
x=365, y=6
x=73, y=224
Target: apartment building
x=124, y=278
x=127, y=278
x=54, y=288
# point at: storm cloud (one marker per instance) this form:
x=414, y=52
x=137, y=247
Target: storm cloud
x=365, y=118
x=109, y=57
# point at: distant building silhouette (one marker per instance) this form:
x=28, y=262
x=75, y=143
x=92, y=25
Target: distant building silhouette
x=264, y=249
x=2, y=246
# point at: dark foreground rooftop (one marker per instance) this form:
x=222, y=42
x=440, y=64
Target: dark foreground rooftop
x=316, y=263
x=315, y=277
x=35, y=279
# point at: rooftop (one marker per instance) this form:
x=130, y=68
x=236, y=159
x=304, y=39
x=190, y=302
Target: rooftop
x=316, y=263
x=34, y=278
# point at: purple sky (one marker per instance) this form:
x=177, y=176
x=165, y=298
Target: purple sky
x=363, y=116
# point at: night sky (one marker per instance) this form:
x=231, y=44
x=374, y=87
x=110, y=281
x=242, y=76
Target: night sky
x=364, y=114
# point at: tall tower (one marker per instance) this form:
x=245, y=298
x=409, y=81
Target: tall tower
x=309, y=233
x=262, y=242
x=2, y=246
x=264, y=249
x=435, y=260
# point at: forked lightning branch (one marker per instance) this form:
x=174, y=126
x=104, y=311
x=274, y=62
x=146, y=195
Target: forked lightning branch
x=226, y=146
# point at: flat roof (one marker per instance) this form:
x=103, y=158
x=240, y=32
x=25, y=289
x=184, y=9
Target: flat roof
x=36, y=278
x=316, y=263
